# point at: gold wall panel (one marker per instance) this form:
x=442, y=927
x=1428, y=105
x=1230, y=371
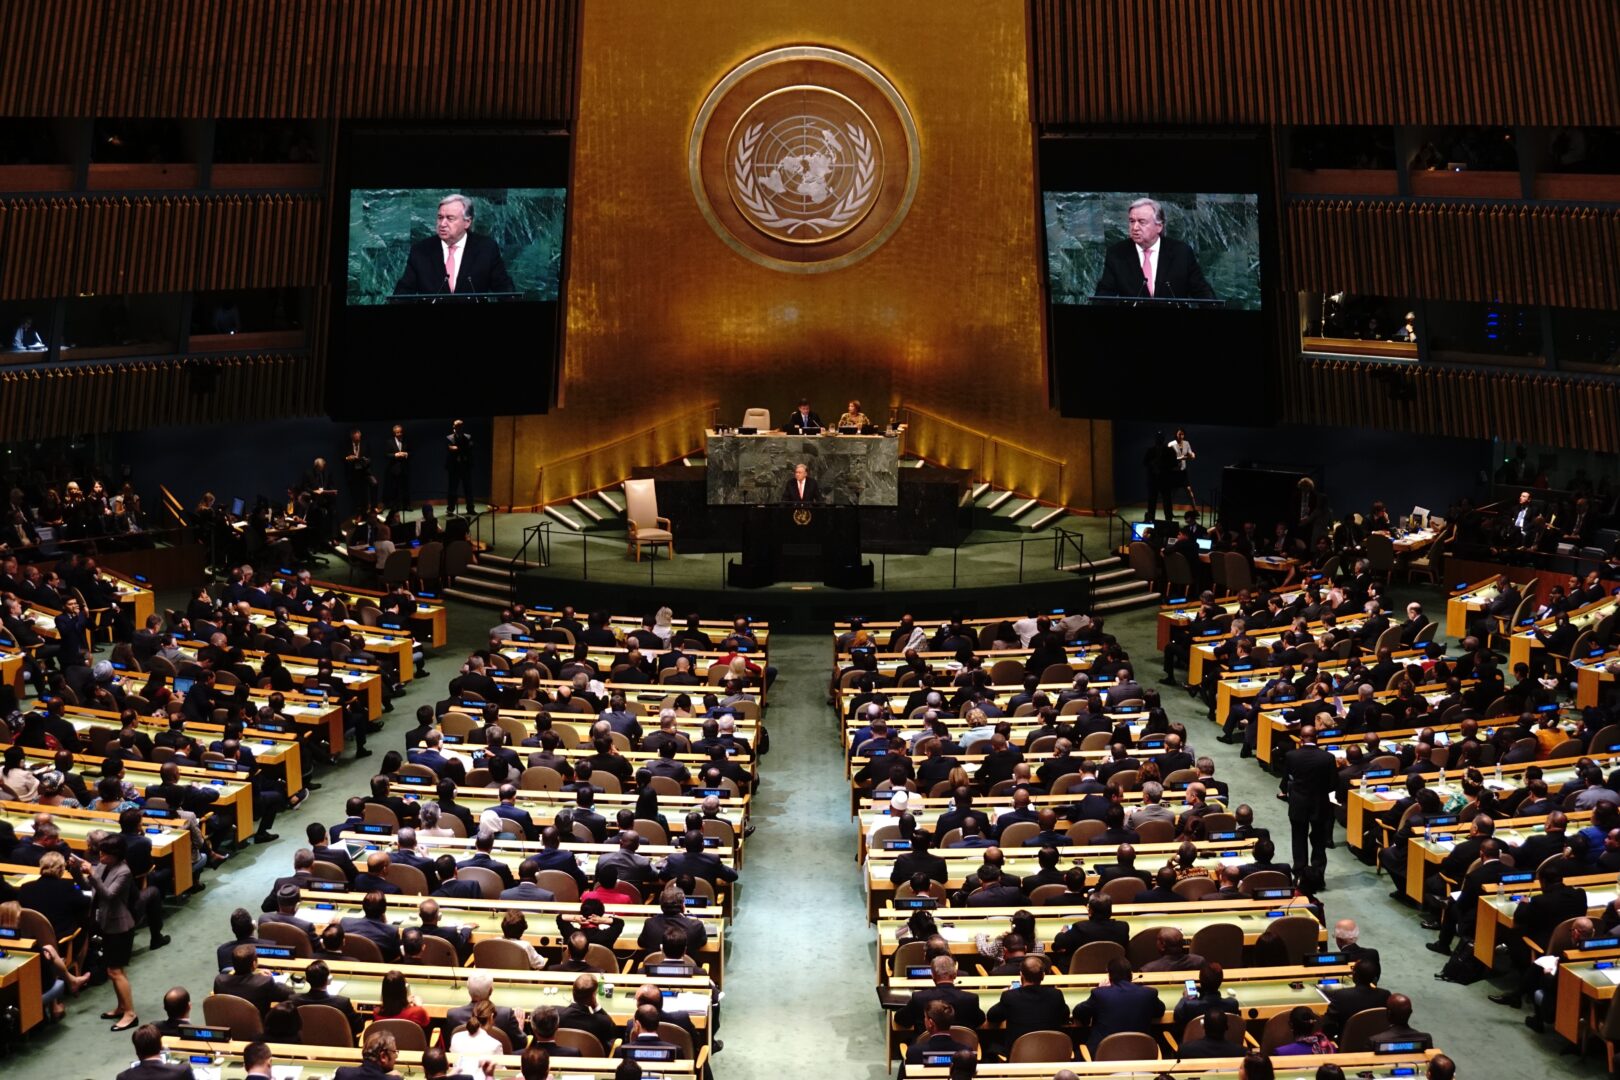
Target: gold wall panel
x=663, y=318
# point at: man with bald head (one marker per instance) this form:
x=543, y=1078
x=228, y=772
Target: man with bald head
x=1399, y=1010
x=1308, y=778
x=1174, y=954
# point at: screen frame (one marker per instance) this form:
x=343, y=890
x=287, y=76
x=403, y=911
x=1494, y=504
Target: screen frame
x=1149, y=157
x=361, y=160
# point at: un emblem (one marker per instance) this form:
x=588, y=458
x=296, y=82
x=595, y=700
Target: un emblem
x=804, y=159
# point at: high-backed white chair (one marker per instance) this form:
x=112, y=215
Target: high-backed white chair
x=647, y=529
x=760, y=419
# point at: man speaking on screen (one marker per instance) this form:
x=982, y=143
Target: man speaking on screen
x=456, y=261
x=1151, y=265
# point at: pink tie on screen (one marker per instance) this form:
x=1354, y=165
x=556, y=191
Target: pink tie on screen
x=1147, y=270
x=450, y=268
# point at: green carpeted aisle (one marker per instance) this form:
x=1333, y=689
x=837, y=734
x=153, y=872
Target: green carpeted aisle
x=800, y=999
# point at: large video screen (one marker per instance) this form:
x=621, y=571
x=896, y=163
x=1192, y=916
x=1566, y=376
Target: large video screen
x=1158, y=254
x=450, y=270
x=501, y=243
x=1113, y=246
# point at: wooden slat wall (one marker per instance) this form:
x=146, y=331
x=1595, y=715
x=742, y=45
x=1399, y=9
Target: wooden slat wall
x=99, y=398
x=1533, y=62
x=290, y=58
x=1521, y=407
x=1562, y=256
x=153, y=244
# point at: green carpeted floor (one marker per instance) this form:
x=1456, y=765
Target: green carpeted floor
x=800, y=999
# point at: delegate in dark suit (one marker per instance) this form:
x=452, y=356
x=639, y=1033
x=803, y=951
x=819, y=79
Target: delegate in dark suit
x=1122, y=1006
x=806, y=491
x=481, y=268
x=1177, y=274
x=1029, y=1007
x=1309, y=776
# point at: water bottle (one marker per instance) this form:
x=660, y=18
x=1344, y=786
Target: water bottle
x=1498, y=772
x=1441, y=780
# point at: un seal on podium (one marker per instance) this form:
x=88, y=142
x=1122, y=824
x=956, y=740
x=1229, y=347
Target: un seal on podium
x=802, y=517
x=804, y=159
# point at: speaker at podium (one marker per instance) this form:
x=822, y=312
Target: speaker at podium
x=801, y=542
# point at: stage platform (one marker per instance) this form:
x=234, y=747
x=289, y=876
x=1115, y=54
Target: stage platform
x=988, y=571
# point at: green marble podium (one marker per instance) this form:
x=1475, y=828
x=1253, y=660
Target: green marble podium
x=851, y=470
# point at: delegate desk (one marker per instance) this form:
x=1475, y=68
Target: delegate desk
x=22, y=982
x=1261, y=992
x=1276, y=736
x=927, y=808
x=1586, y=978
x=1242, y=681
x=299, y=1061
x=1467, y=600
x=946, y=663
x=273, y=748
x=1499, y=902
x=468, y=754
x=851, y=470
x=543, y=805
x=441, y=989
x=1426, y=851
x=1021, y=862
x=1179, y=614
x=961, y=927
x=362, y=679
x=1592, y=672
x=1524, y=643
x=399, y=644
x=483, y=919
x=705, y=664
x=716, y=630
x=513, y=852
x=11, y=668
x=234, y=795
x=1363, y=1066
x=429, y=617
x=1203, y=650
x=467, y=716
x=169, y=841
x=306, y=710
x=133, y=592
x=1369, y=799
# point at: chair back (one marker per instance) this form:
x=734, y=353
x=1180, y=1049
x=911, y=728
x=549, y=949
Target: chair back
x=1360, y=1028
x=1219, y=822
x=1042, y=893
x=1299, y=933
x=489, y=882
x=1560, y=940
x=666, y=786
x=362, y=949
x=1042, y=1046
x=603, y=959
x=430, y=561
x=1277, y=1032
x=238, y=1014
x=501, y=954
x=562, y=885
x=1222, y=943
x=289, y=936
x=651, y=832
x=1127, y=1046
x=327, y=871
x=757, y=418
x=1217, y=572
x=408, y=1034
x=1086, y=830
x=1094, y=957
x=1122, y=890
x=1015, y=834
x=397, y=567
x=1007, y=673
x=1096, y=740
x=1194, y=888
x=1239, y=575
x=1126, y=779
x=1143, y=946
x=1156, y=832
x=458, y=724
x=421, y=771
x=680, y=1037
x=641, y=503
x=377, y=814
x=1144, y=563
x=35, y=926
x=1058, y=673
x=1264, y=879
x=1177, y=571
x=322, y=1025
x=587, y=1044
x=458, y=555
x=410, y=879
x=965, y=1036
x=439, y=952
x=1380, y=553
x=1234, y=1032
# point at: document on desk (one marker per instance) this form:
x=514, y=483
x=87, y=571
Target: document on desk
x=1612, y=974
